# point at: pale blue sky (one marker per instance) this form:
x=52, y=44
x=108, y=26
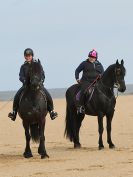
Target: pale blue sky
x=61, y=33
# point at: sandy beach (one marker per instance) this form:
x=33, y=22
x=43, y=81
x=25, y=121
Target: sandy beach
x=65, y=161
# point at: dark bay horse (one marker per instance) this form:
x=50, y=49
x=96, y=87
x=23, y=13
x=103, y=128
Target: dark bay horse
x=101, y=104
x=33, y=110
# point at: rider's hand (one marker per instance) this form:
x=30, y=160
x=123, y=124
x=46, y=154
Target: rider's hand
x=100, y=76
x=78, y=81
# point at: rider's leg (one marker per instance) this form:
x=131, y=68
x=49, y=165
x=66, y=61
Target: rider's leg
x=13, y=114
x=80, y=107
x=52, y=113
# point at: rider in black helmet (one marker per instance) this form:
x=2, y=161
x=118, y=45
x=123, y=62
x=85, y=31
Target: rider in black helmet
x=28, y=51
x=24, y=71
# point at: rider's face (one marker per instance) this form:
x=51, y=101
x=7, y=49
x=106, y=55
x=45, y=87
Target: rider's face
x=91, y=59
x=28, y=58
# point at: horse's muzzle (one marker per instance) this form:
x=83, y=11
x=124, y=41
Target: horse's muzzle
x=122, y=88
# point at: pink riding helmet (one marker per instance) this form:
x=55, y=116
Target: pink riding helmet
x=93, y=54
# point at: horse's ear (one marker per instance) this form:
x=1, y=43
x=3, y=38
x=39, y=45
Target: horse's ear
x=39, y=61
x=117, y=63
x=122, y=62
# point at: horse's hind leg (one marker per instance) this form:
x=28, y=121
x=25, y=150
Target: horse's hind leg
x=78, y=122
x=100, y=129
x=109, y=121
x=41, y=149
x=27, y=153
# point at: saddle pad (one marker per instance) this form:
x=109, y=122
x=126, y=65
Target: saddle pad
x=78, y=95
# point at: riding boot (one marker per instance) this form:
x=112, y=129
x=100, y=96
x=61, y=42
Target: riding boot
x=53, y=114
x=80, y=106
x=13, y=114
x=50, y=105
x=80, y=103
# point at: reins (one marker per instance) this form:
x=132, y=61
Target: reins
x=91, y=86
x=115, y=86
x=93, y=82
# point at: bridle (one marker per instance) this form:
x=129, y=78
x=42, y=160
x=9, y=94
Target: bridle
x=116, y=83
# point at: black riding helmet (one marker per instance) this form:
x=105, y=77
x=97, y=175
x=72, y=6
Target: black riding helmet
x=28, y=51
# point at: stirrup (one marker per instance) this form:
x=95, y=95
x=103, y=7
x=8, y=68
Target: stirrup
x=80, y=110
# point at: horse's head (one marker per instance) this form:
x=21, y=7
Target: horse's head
x=35, y=74
x=119, y=75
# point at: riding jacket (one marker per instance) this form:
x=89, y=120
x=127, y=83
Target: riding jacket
x=24, y=72
x=90, y=70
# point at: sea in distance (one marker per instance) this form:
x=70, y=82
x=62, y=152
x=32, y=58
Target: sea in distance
x=57, y=93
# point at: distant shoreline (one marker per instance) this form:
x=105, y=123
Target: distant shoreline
x=56, y=93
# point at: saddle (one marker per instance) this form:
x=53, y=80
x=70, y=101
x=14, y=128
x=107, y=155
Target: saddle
x=23, y=92
x=88, y=91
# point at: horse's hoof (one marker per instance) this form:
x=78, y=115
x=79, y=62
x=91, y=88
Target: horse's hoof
x=77, y=146
x=111, y=146
x=44, y=156
x=101, y=147
x=27, y=155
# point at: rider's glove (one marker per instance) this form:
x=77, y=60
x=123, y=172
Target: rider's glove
x=78, y=81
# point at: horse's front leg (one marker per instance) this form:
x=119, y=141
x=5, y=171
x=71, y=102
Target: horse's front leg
x=27, y=153
x=41, y=148
x=109, y=118
x=100, y=130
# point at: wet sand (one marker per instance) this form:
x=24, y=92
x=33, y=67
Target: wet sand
x=65, y=161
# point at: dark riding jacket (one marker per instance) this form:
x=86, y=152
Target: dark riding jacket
x=90, y=70
x=24, y=72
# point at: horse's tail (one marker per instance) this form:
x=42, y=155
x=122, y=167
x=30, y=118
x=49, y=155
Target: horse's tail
x=70, y=118
x=34, y=131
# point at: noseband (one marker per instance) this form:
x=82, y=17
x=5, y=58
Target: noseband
x=116, y=84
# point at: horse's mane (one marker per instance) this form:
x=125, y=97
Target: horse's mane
x=112, y=67
x=36, y=66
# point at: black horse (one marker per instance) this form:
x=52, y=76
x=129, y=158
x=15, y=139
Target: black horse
x=33, y=110
x=101, y=104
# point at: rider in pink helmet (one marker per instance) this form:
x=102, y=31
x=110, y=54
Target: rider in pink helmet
x=91, y=69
